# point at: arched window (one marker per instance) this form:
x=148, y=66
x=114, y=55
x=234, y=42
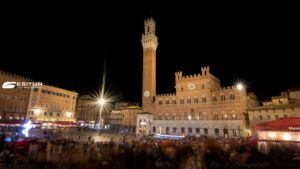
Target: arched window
x=203, y=99
x=215, y=117
x=167, y=116
x=189, y=100
x=196, y=100
x=189, y=117
x=173, y=116
x=197, y=116
x=167, y=130
x=231, y=96
x=233, y=115
x=185, y=116
x=225, y=117
x=154, y=129
x=222, y=97
x=167, y=101
x=214, y=98
x=160, y=117
x=204, y=115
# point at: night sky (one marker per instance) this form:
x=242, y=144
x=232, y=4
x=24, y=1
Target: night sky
x=69, y=48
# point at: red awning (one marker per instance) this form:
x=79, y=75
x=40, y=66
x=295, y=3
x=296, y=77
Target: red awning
x=284, y=124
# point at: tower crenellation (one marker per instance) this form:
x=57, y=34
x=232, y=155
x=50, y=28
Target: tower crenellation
x=149, y=39
x=205, y=70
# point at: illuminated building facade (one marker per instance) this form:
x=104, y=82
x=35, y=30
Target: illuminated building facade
x=13, y=102
x=124, y=116
x=41, y=103
x=283, y=106
x=87, y=111
x=272, y=134
x=199, y=106
x=50, y=103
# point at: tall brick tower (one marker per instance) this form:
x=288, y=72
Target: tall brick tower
x=149, y=42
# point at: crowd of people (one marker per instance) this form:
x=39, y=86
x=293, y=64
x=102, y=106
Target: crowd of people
x=143, y=153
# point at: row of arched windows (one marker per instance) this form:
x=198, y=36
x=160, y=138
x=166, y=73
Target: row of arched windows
x=196, y=100
x=197, y=116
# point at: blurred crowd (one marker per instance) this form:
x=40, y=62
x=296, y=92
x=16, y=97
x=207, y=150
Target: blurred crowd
x=146, y=153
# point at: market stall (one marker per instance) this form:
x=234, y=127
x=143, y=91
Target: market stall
x=283, y=132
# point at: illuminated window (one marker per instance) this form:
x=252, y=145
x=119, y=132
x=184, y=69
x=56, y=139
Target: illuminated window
x=189, y=117
x=225, y=116
x=234, y=117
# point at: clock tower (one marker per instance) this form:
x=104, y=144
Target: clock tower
x=149, y=42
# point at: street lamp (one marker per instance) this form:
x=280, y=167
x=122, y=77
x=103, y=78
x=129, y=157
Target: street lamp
x=240, y=86
x=101, y=103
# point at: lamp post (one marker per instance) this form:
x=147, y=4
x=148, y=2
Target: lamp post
x=101, y=103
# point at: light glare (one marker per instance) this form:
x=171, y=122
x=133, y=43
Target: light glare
x=240, y=86
x=27, y=126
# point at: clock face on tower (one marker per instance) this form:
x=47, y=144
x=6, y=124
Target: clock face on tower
x=146, y=93
x=191, y=86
